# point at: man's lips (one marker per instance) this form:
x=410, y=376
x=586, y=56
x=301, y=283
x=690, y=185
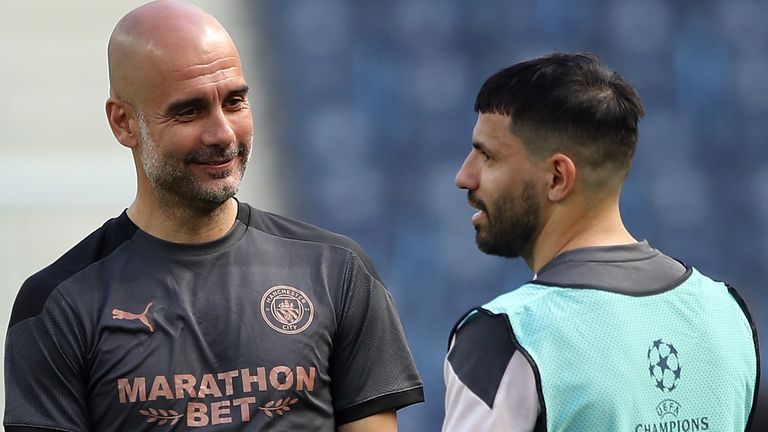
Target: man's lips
x=215, y=164
x=481, y=213
x=214, y=157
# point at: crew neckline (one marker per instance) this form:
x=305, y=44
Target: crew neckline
x=165, y=247
x=632, y=269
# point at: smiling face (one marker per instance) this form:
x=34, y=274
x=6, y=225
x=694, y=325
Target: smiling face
x=500, y=183
x=196, y=131
x=177, y=75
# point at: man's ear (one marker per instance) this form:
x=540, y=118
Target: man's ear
x=561, y=173
x=120, y=121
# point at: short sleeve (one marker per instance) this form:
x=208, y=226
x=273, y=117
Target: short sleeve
x=490, y=385
x=372, y=369
x=44, y=371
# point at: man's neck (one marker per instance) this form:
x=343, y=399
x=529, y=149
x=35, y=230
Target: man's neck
x=572, y=230
x=181, y=224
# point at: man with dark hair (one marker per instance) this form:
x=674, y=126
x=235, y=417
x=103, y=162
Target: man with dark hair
x=192, y=309
x=611, y=334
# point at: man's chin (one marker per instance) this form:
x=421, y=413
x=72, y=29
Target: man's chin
x=219, y=196
x=212, y=194
x=494, y=247
x=219, y=185
x=485, y=244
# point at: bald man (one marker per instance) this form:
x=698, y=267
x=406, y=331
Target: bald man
x=192, y=310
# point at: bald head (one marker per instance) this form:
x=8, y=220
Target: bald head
x=162, y=36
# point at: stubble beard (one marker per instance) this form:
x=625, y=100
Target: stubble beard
x=176, y=187
x=512, y=222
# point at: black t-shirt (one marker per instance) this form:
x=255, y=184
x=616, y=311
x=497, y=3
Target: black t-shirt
x=276, y=326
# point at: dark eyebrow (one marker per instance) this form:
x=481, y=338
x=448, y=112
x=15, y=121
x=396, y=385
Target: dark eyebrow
x=480, y=146
x=241, y=91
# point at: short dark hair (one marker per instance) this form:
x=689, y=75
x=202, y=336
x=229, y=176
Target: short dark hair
x=570, y=103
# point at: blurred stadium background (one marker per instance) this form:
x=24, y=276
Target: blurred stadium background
x=364, y=112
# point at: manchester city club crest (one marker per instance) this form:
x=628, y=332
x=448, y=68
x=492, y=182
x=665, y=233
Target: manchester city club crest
x=287, y=309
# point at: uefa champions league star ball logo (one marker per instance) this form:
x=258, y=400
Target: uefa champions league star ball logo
x=664, y=365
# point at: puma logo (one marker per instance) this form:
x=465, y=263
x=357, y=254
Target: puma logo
x=123, y=315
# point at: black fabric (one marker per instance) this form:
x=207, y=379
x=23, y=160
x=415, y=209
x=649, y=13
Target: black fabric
x=380, y=404
x=481, y=352
x=99, y=244
x=290, y=228
x=369, y=348
x=743, y=305
x=45, y=369
x=283, y=332
x=30, y=429
x=457, y=325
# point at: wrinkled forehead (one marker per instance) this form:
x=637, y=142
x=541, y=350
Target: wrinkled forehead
x=205, y=76
x=184, y=62
x=165, y=43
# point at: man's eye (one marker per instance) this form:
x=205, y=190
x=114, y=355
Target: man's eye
x=189, y=112
x=235, y=102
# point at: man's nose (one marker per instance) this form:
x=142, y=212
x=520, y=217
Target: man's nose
x=466, y=178
x=218, y=129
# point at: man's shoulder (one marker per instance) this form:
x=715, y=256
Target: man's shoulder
x=494, y=313
x=481, y=324
x=520, y=298
x=293, y=229
x=99, y=244
x=480, y=350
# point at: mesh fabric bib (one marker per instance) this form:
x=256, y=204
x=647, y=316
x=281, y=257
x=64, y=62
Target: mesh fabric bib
x=677, y=361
